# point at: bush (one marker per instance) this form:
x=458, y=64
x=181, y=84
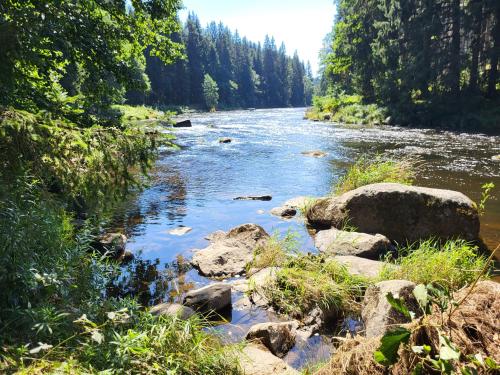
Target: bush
x=87, y=167
x=347, y=109
x=128, y=341
x=367, y=171
x=455, y=264
x=55, y=316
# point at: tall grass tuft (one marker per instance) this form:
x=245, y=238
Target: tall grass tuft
x=275, y=252
x=308, y=281
x=456, y=263
x=366, y=171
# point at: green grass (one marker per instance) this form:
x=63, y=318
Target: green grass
x=130, y=342
x=366, y=171
x=455, y=264
x=347, y=109
x=140, y=113
x=275, y=252
x=308, y=281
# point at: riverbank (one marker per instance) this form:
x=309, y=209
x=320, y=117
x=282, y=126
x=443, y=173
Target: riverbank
x=350, y=109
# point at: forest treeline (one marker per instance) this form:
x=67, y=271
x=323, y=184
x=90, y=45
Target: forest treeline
x=432, y=63
x=247, y=74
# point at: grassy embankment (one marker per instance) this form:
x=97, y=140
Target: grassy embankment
x=54, y=314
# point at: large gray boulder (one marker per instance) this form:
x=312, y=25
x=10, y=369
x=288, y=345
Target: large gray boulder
x=256, y=359
x=172, y=309
x=229, y=253
x=279, y=338
x=214, y=297
x=361, y=266
x=378, y=315
x=338, y=242
x=401, y=213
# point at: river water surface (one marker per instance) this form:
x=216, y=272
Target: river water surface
x=195, y=185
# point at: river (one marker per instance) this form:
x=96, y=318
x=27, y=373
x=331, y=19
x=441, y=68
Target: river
x=195, y=185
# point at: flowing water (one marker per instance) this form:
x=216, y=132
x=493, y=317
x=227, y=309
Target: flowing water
x=195, y=185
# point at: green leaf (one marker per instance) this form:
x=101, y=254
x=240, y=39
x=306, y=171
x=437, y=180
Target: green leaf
x=399, y=305
x=420, y=293
x=387, y=353
x=447, y=350
x=491, y=363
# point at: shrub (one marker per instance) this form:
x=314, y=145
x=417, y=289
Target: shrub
x=367, y=171
x=455, y=264
x=55, y=317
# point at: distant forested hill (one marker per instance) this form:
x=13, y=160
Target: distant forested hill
x=247, y=74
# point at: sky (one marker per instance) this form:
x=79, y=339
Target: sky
x=301, y=24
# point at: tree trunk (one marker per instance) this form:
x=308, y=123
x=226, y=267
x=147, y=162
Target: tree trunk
x=455, y=49
x=493, y=75
x=477, y=22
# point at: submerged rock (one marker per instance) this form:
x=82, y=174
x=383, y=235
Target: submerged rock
x=183, y=124
x=112, y=243
x=378, y=315
x=214, y=297
x=254, y=198
x=180, y=231
x=291, y=207
x=256, y=359
x=338, y=242
x=127, y=257
x=314, y=154
x=229, y=253
x=402, y=213
x=225, y=140
x=173, y=309
x=279, y=338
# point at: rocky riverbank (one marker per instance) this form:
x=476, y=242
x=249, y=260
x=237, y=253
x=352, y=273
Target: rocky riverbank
x=384, y=217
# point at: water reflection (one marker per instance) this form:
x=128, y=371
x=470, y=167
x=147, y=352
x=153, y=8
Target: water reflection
x=151, y=282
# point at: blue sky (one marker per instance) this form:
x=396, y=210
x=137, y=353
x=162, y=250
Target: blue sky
x=301, y=24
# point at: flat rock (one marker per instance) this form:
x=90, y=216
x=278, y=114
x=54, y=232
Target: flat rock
x=279, y=338
x=360, y=266
x=314, y=154
x=173, y=309
x=213, y=297
x=254, y=198
x=338, y=242
x=229, y=253
x=378, y=315
x=284, y=212
x=495, y=158
x=256, y=359
x=401, y=213
x=298, y=202
x=257, y=279
x=180, y=231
